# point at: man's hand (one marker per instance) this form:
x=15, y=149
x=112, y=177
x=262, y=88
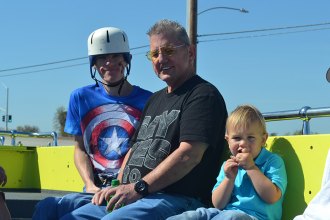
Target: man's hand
x=116, y=196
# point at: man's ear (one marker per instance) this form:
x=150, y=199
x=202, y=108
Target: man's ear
x=192, y=50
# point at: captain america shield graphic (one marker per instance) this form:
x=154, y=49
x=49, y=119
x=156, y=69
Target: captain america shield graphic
x=107, y=130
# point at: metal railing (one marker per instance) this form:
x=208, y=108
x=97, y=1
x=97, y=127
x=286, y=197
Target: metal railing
x=306, y=113
x=13, y=134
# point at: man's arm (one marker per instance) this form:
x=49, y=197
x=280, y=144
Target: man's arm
x=173, y=168
x=120, y=175
x=84, y=166
x=176, y=165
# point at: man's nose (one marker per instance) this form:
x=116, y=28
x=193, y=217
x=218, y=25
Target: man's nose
x=162, y=57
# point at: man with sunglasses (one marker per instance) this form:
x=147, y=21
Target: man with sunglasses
x=177, y=149
x=102, y=118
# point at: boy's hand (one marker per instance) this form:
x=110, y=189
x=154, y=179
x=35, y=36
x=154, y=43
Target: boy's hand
x=93, y=189
x=231, y=168
x=244, y=160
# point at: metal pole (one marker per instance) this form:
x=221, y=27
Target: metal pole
x=192, y=8
x=192, y=30
x=243, y=10
x=7, y=91
x=188, y=16
x=6, y=110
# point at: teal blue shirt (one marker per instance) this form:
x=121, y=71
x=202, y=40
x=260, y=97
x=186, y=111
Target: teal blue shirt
x=245, y=198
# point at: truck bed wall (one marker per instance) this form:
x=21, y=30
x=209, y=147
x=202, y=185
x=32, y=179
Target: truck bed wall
x=52, y=168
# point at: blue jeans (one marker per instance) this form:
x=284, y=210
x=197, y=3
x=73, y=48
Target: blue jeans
x=214, y=214
x=152, y=207
x=53, y=208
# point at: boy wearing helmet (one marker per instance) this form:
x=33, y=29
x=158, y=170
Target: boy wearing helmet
x=102, y=117
x=108, y=49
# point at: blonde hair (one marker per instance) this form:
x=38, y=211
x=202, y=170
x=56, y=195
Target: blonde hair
x=245, y=115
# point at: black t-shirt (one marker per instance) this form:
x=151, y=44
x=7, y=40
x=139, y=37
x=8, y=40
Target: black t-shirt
x=195, y=111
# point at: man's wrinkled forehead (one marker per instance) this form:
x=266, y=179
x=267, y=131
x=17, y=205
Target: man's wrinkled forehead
x=163, y=40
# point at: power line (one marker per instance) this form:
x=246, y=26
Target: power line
x=43, y=64
x=43, y=70
x=262, y=35
x=265, y=29
x=56, y=62
x=144, y=46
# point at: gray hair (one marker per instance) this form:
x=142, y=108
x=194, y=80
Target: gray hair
x=171, y=28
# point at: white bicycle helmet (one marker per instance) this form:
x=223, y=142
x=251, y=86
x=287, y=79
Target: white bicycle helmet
x=108, y=40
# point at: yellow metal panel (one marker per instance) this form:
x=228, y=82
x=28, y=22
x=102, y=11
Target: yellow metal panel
x=49, y=168
x=57, y=169
x=21, y=166
x=304, y=157
x=53, y=168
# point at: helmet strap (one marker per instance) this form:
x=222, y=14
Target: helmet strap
x=128, y=69
x=93, y=75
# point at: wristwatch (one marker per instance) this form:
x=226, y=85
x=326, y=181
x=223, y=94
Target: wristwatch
x=141, y=187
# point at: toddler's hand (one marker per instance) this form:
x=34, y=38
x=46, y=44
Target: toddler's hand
x=231, y=168
x=244, y=160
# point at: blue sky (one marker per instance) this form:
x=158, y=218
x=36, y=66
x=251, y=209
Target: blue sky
x=273, y=70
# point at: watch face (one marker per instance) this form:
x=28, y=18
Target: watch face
x=141, y=187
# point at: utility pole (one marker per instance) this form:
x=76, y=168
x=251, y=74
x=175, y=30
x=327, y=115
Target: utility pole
x=7, y=92
x=192, y=25
x=6, y=110
x=192, y=14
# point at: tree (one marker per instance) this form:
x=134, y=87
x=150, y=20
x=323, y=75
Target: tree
x=59, y=120
x=297, y=132
x=27, y=128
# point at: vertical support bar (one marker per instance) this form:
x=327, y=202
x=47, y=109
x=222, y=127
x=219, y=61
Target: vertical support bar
x=54, y=135
x=305, y=118
x=306, y=127
x=13, y=136
x=7, y=91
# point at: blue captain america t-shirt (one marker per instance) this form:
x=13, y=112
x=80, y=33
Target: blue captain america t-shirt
x=106, y=123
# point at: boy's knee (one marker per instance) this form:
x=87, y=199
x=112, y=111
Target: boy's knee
x=73, y=201
x=46, y=209
x=235, y=215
